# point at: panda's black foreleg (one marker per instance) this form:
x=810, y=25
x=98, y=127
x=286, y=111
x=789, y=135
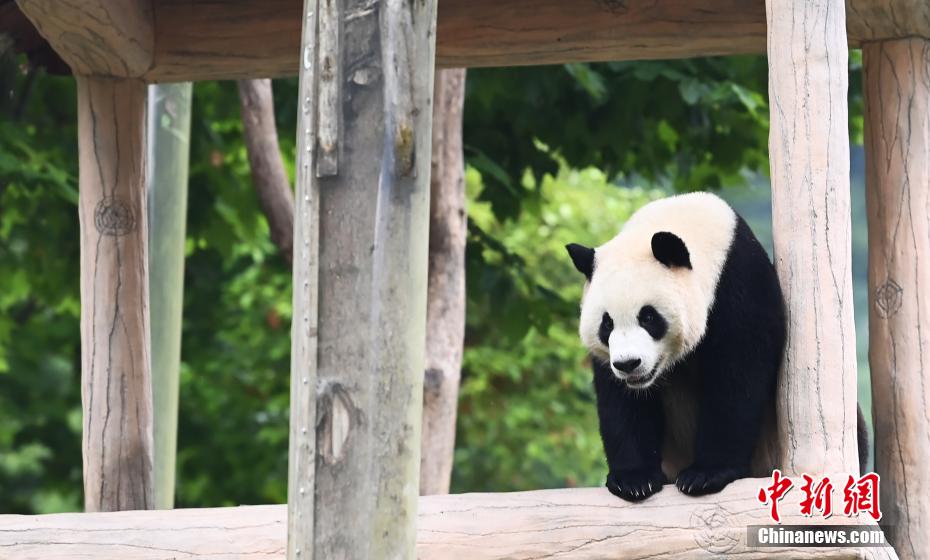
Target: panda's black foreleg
x=631, y=429
x=734, y=396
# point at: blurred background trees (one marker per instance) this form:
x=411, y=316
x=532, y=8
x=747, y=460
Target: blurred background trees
x=554, y=154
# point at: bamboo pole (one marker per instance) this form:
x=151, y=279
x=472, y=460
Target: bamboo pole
x=360, y=289
x=169, y=126
x=809, y=149
x=116, y=391
x=897, y=135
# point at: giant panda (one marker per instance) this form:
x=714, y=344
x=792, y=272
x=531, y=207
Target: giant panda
x=684, y=319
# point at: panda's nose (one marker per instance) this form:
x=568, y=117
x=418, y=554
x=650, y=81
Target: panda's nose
x=628, y=365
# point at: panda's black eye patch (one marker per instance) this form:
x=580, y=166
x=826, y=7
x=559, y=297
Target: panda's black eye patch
x=607, y=327
x=652, y=321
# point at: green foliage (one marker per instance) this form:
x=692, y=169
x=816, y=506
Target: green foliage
x=690, y=124
x=527, y=417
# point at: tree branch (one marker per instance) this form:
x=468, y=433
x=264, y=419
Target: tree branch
x=268, y=174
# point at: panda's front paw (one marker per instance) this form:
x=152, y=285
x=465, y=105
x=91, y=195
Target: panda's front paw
x=697, y=481
x=635, y=485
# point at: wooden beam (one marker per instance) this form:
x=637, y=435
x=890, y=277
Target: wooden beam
x=576, y=523
x=874, y=20
x=809, y=154
x=115, y=368
x=236, y=39
x=97, y=37
x=360, y=289
x=897, y=139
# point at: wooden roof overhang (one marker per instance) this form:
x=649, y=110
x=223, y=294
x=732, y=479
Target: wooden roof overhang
x=180, y=40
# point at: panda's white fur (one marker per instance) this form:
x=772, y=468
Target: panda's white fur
x=629, y=276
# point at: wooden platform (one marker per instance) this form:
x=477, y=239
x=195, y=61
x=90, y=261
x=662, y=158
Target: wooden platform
x=575, y=523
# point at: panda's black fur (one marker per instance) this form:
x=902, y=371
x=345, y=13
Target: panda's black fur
x=733, y=371
x=738, y=361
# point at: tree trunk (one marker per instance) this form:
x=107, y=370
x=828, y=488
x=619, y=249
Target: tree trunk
x=268, y=174
x=897, y=134
x=445, y=306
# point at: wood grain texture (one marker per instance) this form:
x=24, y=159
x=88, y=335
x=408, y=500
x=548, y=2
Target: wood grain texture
x=445, y=300
x=809, y=154
x=116, y=391
x=260, y=132
x=587, y=523
x=223, y=39
x=897, y=137
x=358, y=338
x=97, y=37
x=872, y=20
x=248, y=533
x=302, y=438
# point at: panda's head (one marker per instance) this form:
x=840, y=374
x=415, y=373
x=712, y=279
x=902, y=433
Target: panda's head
x=635, y=314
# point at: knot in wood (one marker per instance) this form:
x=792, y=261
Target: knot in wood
x=114, y=216
x=614, y=6
x=888, y=298
x=338, y=419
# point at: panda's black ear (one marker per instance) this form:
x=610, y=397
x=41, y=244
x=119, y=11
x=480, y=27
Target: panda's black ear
x=583, y=257
x=670, y=250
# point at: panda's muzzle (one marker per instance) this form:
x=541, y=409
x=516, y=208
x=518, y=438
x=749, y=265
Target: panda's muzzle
x=641, y=381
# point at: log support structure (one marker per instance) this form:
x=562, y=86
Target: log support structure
x=567, y=523
x=116, y=384
x=897, y=142
x=360, y=291
x=181, y=40
x=809, y=155
x=366, y=77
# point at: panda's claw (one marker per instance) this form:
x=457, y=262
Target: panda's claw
x=636, y=484
x=697, y=481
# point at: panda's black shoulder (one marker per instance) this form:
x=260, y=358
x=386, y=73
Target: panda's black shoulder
x=748, y=300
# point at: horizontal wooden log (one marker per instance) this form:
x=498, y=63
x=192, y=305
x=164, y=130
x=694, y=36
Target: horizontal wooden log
x=875, y=20
x=96, y=37
x=235, y=39
x=576, y=523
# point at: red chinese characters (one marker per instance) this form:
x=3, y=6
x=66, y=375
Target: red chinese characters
x=862, y=496
x=819, y=497
x=775, y=492
x=859, y=495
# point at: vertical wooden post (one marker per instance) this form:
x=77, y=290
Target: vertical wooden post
x=809, y=148
x=115, y=370
x=897, y=134
x=169, y=128
x=305, y=322
x=360, y=279
x=445, y=307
